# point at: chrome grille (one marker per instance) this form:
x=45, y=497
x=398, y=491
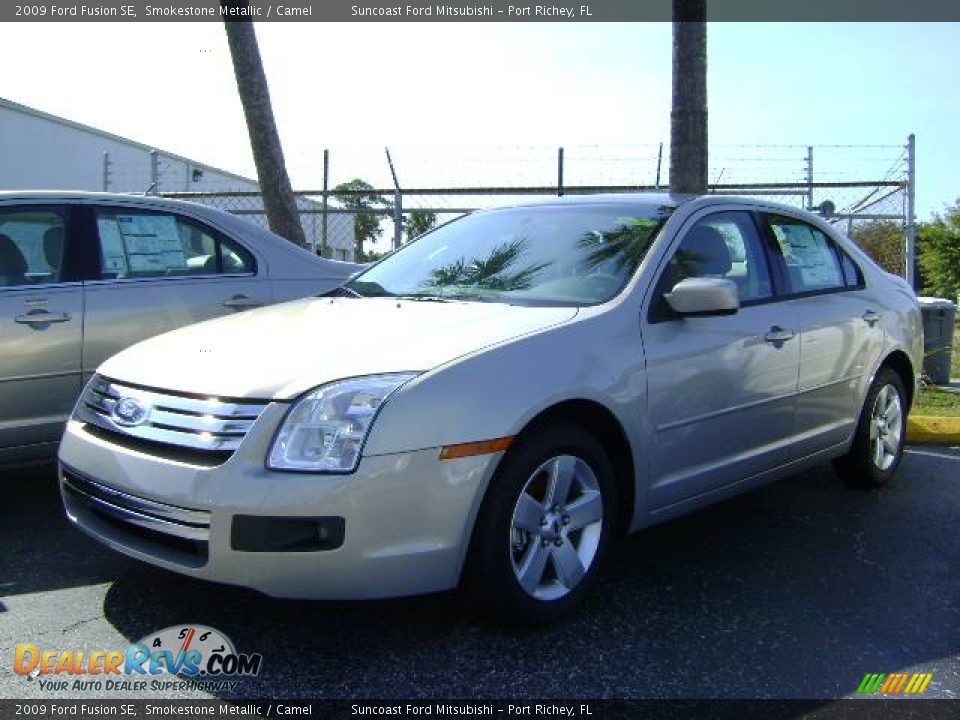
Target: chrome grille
x=210, y=424
x=182, y=534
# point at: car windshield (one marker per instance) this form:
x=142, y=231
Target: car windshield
x=575, y=255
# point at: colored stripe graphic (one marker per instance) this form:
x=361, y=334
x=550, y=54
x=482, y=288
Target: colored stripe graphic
x=871, y=682
x=918, y=683
x=894, y=683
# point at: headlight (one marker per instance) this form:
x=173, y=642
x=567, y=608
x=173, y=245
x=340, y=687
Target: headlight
x=326, y=428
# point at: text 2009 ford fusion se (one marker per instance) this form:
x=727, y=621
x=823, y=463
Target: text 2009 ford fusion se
x=492, y=404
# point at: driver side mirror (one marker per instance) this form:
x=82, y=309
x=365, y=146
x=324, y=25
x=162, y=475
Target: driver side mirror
x=701, y=296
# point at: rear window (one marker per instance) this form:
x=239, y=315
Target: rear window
x=136, y=244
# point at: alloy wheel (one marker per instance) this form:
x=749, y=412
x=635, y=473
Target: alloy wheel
x=556, y=526
x=886, y=427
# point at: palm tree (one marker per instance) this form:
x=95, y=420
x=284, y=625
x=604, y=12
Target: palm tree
x=621, y=248
x=279, y=202
x=688, y=118
x=493, y=272
x=366, y=225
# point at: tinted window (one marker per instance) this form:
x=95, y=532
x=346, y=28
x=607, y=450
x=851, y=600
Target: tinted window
x=136, y=243
x=852, y=276
x=724, y=245
x=811, y=258
x=31, y=246
x=570, y=255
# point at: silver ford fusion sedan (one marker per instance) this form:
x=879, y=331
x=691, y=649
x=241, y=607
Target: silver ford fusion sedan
x=491, y=405
x=84, y=275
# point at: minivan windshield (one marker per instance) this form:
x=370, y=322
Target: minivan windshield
x=549, y=255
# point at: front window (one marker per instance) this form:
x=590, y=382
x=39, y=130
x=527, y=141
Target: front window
x=31, y=246
x=578, y=255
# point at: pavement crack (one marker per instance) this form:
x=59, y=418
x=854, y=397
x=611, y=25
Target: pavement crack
x=78, y=623
x=859, y=550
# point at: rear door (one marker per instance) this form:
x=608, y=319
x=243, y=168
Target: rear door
x=841, y=337
x=156, y=271
x=41, y=320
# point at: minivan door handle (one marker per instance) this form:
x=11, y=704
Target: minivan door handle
x=41, y=318
x=778, y=335
x=242, y=302
x=871, y=318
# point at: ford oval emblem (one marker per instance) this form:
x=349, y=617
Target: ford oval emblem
x=129, y=411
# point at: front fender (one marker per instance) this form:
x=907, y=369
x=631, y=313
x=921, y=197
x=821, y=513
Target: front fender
x=496, y=392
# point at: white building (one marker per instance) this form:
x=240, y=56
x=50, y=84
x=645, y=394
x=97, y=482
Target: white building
x=40, y=151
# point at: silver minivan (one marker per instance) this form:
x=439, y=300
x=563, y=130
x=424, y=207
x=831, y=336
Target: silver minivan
x=84, y=275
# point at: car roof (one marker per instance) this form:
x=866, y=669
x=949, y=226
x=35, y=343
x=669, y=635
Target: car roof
x=82, y=195
x=654, y=201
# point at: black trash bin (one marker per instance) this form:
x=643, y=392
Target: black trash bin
x=939, y=316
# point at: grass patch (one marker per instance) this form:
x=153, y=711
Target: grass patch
x=931, y=401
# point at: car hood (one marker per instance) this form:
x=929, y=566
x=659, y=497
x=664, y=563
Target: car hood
x=284, y=350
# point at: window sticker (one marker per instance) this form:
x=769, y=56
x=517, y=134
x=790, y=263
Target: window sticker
x=111, y=244
x=152, y=243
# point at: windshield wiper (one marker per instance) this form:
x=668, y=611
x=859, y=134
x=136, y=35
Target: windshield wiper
x=341, y=291
x=423, y=298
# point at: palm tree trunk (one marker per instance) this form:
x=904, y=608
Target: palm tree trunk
x=279, y=202
x=688, y=118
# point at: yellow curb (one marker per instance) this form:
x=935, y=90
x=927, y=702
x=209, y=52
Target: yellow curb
x=933, y=429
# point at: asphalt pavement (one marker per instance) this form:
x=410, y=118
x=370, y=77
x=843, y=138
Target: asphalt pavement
x=796, y=590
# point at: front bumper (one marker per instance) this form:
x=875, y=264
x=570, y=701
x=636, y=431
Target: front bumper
x=407, y=518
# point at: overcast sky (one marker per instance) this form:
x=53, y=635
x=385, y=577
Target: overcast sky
x=366, y=85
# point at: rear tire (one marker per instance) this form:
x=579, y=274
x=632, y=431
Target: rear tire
x=544, y=527
x=878, y=443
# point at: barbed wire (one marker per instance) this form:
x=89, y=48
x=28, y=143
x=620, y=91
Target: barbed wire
x=864, y=183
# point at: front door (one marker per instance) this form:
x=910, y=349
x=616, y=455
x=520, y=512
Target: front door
x=41, y=320
x=721, y=390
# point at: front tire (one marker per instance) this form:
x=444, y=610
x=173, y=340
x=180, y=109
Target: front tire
x=878, y=443
x=544, y=527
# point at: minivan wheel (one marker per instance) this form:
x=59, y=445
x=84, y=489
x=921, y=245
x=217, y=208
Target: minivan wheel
x=878, y=444
x=544, y=526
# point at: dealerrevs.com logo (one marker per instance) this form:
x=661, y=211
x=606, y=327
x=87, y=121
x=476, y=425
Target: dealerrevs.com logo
x=174, y=658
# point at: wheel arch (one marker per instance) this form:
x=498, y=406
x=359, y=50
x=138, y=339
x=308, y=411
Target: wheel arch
x=900, y=363
x=600, y=422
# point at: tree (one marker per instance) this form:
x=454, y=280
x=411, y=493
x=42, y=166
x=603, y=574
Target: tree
x=938, y=243
x=279, y=203
x=882, y=240
x=688, y=116
x=418, y=222
x=366, y=225
x=496, y=271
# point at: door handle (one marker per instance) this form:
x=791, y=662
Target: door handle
x=778, y=335
x=871, y=318
x=41, y=318
x=242, y=302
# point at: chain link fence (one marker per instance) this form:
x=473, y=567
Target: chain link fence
x=409, y=189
